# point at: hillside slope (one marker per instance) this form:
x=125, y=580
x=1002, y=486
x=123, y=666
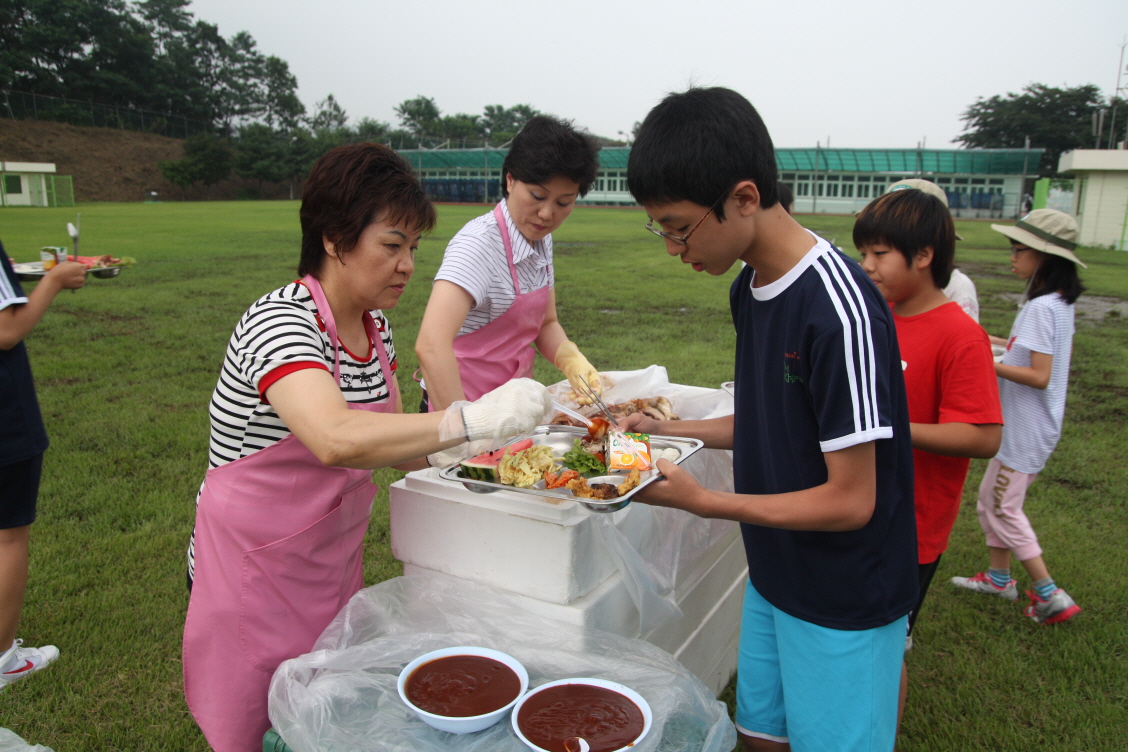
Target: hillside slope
x=113, y=165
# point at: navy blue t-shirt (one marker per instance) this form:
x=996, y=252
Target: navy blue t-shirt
x=818, y=370
x=22, y=435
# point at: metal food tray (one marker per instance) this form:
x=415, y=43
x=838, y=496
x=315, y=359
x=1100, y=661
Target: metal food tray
x=31, y=271
x=561, y=439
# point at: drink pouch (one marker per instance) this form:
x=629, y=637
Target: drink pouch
x=51, y=256
x=628, y=451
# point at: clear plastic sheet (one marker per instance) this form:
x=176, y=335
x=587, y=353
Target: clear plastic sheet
x=342, y=697
x=10, y=741
x=653, y=546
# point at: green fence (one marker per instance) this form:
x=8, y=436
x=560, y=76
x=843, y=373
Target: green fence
x=21, y=105
x=60, y=190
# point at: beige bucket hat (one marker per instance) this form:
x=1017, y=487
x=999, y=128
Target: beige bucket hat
x=921, y=185
x=1046, y=230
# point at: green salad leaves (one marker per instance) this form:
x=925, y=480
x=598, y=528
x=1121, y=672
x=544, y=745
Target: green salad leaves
x=582, y=462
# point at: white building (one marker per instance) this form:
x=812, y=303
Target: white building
x=1100, y=195
x=986, y=183
x=34, y=184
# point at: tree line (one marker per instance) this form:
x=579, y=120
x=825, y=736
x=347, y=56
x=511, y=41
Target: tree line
x=1055, y=119
x=152, y=55
x=284, y=153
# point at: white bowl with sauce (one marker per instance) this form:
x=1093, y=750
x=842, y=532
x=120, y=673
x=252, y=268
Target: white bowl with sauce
x=463, y=724
x=627, y=692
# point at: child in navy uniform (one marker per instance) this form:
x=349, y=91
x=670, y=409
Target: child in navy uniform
x=820, y=436
x=23, y=441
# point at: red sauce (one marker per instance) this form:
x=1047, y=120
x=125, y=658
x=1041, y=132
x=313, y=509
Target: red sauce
x=605, y=719
x=460, y=686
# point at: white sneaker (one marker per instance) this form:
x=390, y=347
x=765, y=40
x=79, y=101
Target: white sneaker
x=25, y=661
x=982, y=583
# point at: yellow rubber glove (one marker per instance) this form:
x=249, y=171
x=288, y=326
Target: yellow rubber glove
x=572, y=362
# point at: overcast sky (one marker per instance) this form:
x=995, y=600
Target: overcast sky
x=864, y=74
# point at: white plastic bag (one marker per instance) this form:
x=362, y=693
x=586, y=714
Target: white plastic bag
x=342, y=696
x=10, y=741
x=652, y=546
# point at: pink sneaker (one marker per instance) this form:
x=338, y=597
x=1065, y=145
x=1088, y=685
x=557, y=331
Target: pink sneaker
x=982, y=583
x=27, y=661
x=1057, y=608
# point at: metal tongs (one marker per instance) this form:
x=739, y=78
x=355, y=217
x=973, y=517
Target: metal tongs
x=591, y=394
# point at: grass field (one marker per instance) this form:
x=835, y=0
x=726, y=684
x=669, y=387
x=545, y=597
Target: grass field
x=125, y=368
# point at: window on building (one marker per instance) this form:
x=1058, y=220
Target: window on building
x=787, y=177
x=960, y=181
x=832, y=190
x=864, y=178
x=802, y=189
x=863, y=191
x=847, y=190
x=978, y=181
x=599, y=185
x=995, y=181
x=944, y=181
x=13, y=184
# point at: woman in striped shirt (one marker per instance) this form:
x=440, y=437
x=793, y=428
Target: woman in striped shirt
x=306, y=406
x=493, y=295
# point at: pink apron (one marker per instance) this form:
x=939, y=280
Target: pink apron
x=278, y=554
x=501, y=350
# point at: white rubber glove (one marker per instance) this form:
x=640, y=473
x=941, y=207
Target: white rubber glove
x=448, y=457
x=515, y=407
x=573, y=364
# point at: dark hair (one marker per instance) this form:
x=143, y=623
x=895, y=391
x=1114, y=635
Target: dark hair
x=547, y=147
x=1055, y=274
x=695, y=146
x=351, y=187
x=910, y=220
x=785, y=196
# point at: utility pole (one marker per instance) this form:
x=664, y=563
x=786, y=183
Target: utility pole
x=815, y=185
x=1116, y=96
x=1022, y=185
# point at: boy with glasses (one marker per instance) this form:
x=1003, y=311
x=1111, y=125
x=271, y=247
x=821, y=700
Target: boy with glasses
x=820, y=435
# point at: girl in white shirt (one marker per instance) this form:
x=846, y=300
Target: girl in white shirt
x=1033, y=378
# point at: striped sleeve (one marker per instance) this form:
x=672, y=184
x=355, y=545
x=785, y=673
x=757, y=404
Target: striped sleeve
x=272, y=334
x=468, y=262
x=10, y=291
x=1035, y=330
x=849, y=381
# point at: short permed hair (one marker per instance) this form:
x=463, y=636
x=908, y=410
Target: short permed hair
x=697, y=145
x=351, y=187
x=910, y=221
x=547, y=147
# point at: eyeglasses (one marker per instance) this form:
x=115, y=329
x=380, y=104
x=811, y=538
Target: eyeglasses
x=682, y=239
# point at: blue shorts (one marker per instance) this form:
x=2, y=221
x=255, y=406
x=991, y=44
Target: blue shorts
x=819, y=688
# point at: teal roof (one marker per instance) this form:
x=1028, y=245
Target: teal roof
x=964, y=161
x=961, y=161
x=610, y=158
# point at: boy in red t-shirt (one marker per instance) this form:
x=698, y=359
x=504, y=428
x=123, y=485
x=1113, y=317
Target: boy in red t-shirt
x=907, y=242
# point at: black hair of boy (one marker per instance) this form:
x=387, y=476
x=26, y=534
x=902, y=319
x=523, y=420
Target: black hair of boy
x=785, y=196
x=696, y=145
x=910, y=221
x=547, y=147
x=1055, y=274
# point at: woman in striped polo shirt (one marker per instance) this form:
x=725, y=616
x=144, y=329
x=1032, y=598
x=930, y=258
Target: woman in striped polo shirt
x=494, y=295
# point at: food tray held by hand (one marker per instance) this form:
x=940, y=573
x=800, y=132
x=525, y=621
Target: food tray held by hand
x=560, y=438
x=33, y=270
